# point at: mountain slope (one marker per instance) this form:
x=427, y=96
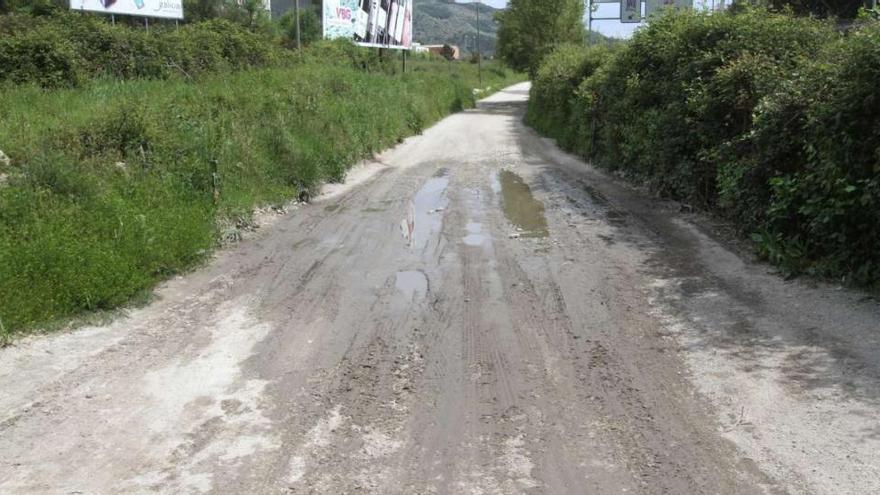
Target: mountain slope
x=444, y=21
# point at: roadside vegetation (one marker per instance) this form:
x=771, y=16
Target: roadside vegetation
x=768, y=119
x=123, y=166
x=528, y=30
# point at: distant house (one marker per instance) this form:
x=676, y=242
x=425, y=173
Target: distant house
x=280, y=7
x=438, y=49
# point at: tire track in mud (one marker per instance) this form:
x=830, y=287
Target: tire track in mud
x=488, y=452
x=646, y=410
x=558, y=425
x=371, y=388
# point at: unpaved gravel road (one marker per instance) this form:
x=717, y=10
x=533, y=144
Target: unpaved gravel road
x=479, y=314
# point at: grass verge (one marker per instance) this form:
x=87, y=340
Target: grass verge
x=113, y=187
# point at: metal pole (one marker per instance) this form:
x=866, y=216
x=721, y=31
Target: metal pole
x=147, y=24
x=403, y=53
x=590, y=22
x=112, y=19
x=296, y=14
x=479, y=50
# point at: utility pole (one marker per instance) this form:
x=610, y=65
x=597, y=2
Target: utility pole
x=589, y=4
x=479, y=50
x=296, y=14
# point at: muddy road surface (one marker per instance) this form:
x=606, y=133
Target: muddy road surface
x=474, y=313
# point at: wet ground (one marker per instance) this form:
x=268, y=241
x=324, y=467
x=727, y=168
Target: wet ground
x=520, y=207
x=476, y=312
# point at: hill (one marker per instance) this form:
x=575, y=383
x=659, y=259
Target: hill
x=444, y=21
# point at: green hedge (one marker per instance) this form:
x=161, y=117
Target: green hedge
x=769, y=119
x=824, y=214
x=66, y=49
x=553, y=108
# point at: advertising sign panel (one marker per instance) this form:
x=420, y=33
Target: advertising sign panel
x=654, y=7
x=630, y=11
x=169, y=9
x=377, y=23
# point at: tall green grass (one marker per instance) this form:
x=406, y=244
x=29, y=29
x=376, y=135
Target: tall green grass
x=114, y=186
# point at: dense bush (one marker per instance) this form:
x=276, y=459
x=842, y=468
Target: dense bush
x=769, y=119
x=552, y=108
x=309, y=27
x=115, y=185
x=67, y=48
x=824, y=213
x=352, y=56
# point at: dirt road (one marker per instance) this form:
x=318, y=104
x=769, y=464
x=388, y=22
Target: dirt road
x=478, y=313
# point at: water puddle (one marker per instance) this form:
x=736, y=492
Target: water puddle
x=520, y=207
x=475, y=235
x=495, y=183
x=425, y=213
x=412, y=286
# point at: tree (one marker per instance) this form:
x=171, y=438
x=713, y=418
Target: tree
x=843, y=9
x=33, y=7
x=309, y=27
x=200, y=10
x=529, y=29
x=251, y=14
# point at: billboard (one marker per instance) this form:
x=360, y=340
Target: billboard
x=653, y=7
x=169, y=9
x=630, y=11
x=377, y=23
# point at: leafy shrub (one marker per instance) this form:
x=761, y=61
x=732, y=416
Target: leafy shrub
x=309, y=27
x=355, y=57
x=826, y=211
x=769, y=119
x=42, y=56
x=687, y=84
x=65, y=49
x=550, y=110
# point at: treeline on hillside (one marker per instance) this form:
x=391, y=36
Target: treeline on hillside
x=771, y=120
